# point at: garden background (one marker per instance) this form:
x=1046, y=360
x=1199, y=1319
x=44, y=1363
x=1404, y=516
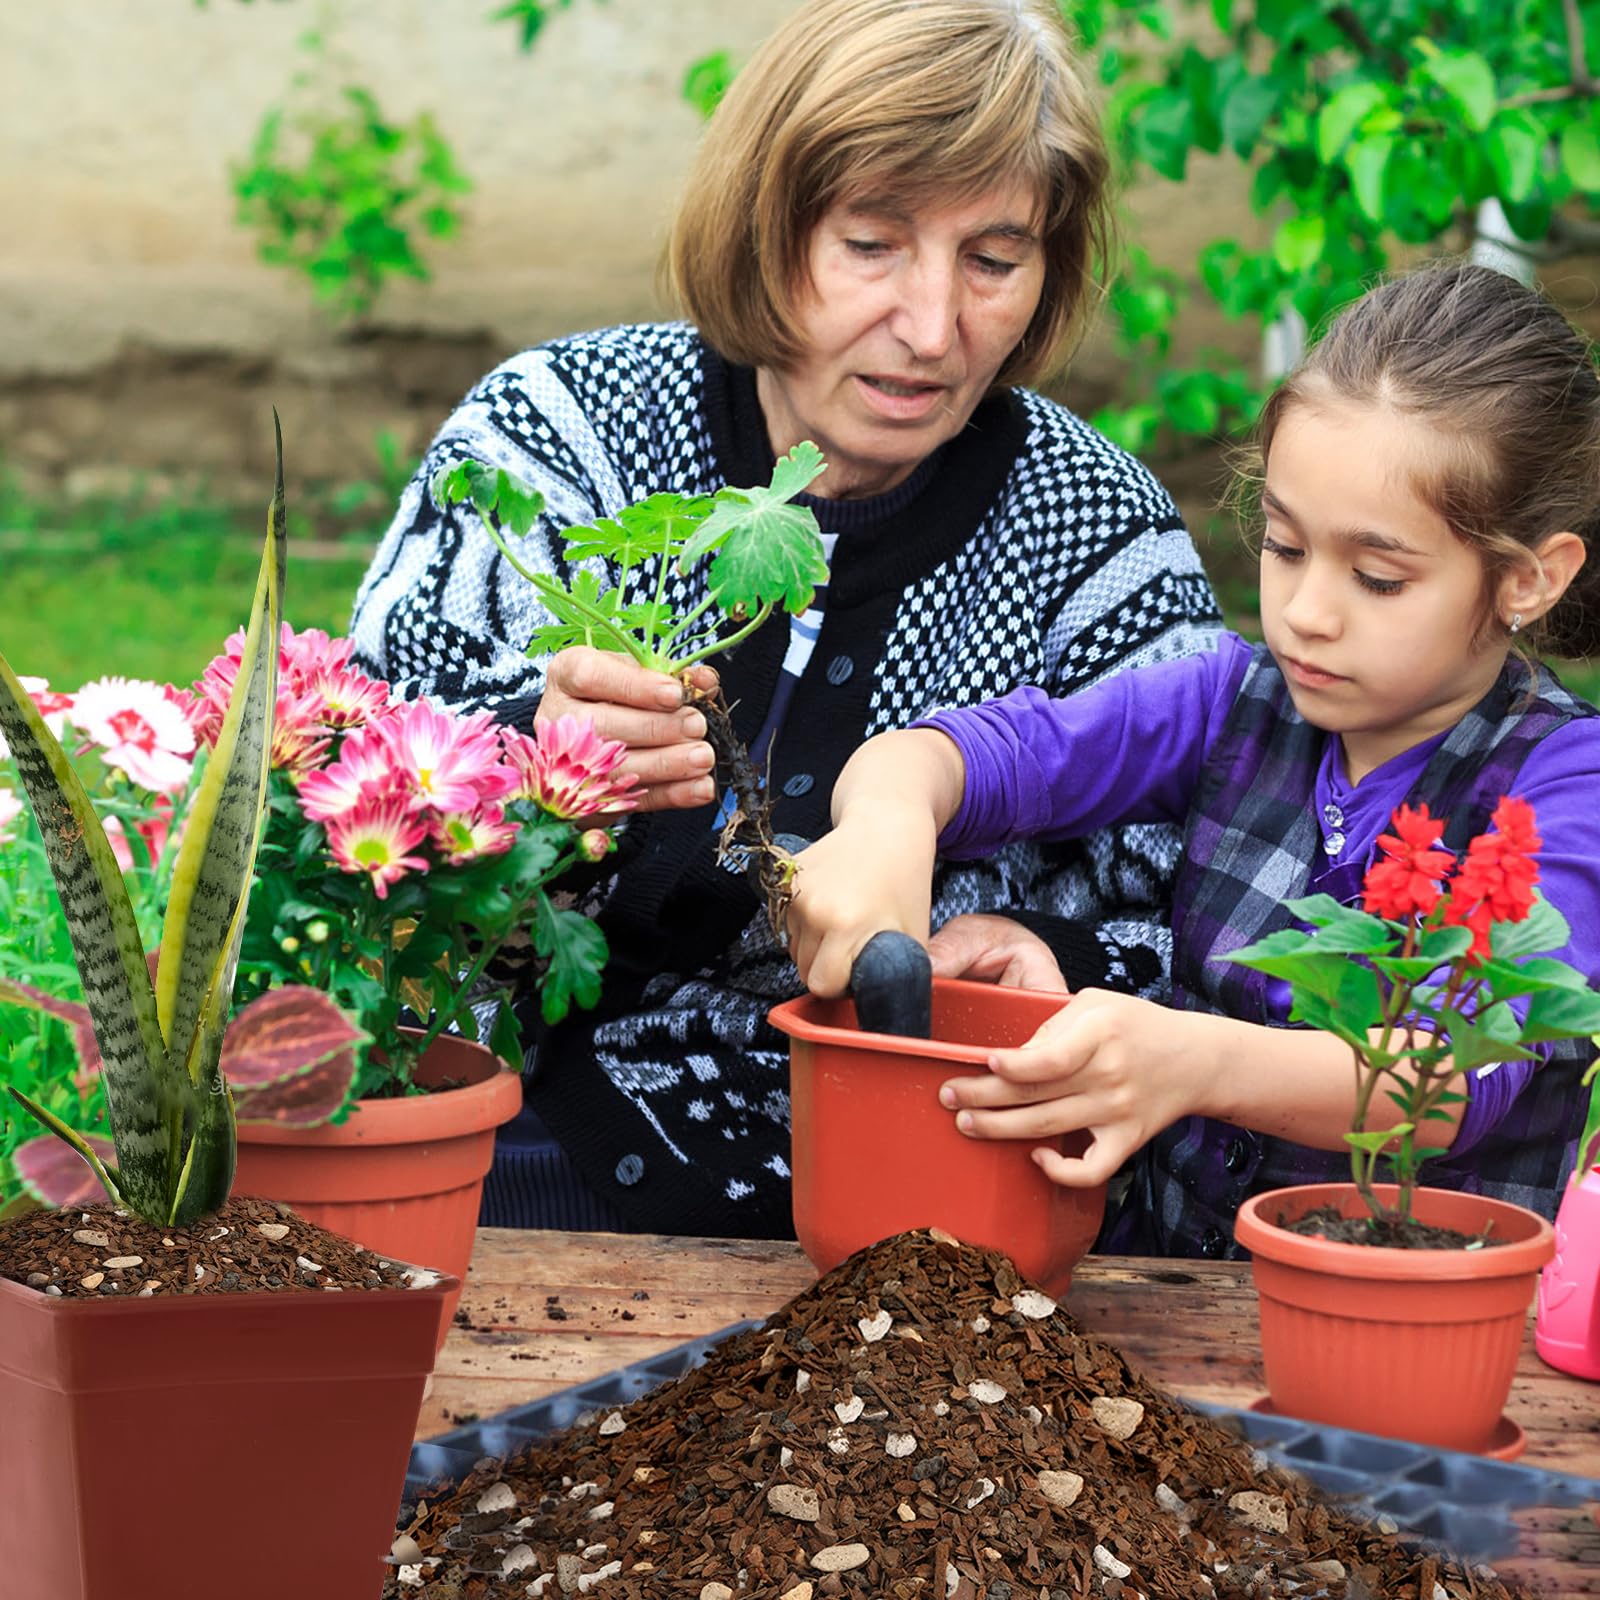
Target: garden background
x=351, y=209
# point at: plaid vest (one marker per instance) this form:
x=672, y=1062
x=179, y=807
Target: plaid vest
x=1248, y=845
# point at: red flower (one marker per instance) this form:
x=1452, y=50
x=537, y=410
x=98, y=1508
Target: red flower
x=1495, y=883
x=1479, y=919
x=1406, y=881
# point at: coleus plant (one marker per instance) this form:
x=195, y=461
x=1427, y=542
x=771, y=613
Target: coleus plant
x=1441, y=972
x=765, y=554
x=159, y=1034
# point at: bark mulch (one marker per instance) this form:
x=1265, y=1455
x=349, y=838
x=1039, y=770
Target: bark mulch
x=919, y=1425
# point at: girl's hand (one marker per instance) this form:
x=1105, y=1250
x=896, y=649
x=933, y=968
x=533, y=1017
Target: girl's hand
x=873, y=872
x=645, y=710
x=993, y=949
x=1120, y=1067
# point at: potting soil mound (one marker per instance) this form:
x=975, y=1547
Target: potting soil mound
x=920, y=1425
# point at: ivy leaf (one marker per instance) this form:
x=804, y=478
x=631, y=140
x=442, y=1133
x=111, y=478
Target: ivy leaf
x=1297, y=245
x=1513, y=148
x=1367, y=162
x=1580, y=156
x=739, y=508
x=1468, y=79
x=1344, y=114
x=776, y=561
x=1245, y=113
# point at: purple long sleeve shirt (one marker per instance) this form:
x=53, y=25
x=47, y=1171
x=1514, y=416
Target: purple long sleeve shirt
x=1131, y=749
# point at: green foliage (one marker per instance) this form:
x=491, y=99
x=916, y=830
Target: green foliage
x=530, y=17
x=161, y=1041
x=345, y=195
x=766, y=553
x=1367, y=126
x=706, y=81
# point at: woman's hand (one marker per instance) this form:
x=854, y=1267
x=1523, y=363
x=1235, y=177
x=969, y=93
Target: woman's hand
x=1120, y=1067
x=990, y=948
x=667, y=751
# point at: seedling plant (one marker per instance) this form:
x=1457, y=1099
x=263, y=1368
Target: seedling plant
x=764, y=553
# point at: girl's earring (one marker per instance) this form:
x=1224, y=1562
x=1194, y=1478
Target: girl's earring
x=1516, y=622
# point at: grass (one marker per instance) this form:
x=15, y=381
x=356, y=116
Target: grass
x=148, y=593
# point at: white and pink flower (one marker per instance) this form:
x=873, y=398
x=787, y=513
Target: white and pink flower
x=52, y=707
x=138, y=730
x=378, y=837
x=447, y=762
x=462, y=836
x=569, y=770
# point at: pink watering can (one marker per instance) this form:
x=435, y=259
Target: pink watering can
x=1567, y=1329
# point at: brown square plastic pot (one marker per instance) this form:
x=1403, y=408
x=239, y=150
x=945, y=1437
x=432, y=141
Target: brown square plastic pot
x=185, y=1448
x=874, y=1153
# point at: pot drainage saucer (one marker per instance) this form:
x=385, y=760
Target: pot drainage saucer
x=1506, y=1443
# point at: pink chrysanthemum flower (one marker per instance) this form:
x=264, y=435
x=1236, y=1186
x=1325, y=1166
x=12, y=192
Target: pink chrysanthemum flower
x=299, y=737
x=344, y=699
x=463, y=836
x=363, y=772
x=10, y=810
x=138, y=729
x=448, y=763
x=310, y=654
x=569, y=770
x=376, y=838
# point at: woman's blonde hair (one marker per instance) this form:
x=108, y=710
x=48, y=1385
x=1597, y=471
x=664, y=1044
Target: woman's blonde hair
x=927, y=101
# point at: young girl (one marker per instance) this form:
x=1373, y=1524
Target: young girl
x=1431, y=481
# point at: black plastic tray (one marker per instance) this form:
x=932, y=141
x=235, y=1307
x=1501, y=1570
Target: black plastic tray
x=1461, y=1503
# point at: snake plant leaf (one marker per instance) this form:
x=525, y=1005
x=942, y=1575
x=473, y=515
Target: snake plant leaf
x=105, y=944
x=212, y=874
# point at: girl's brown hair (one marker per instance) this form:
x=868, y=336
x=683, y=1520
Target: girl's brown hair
x=922, y=100
x=1509, y=388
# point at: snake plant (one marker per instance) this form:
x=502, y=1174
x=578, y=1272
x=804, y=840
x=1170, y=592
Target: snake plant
x=171, y=1111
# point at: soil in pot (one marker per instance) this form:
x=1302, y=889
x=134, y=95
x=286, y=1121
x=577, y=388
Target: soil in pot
x=1329, y=1222
x=249, y=1246
x=920, y=1425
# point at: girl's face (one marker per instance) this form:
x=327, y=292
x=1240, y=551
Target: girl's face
x=1371, y=606
x=906, y=319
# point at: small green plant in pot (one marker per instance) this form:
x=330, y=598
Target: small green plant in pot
x=765, y=554
x=133, y=1297
x=1391, y=1307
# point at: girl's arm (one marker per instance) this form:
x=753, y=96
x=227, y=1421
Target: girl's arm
x=1125, y=1069
x=874, y=871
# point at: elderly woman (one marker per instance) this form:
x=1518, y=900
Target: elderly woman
x=892, y=222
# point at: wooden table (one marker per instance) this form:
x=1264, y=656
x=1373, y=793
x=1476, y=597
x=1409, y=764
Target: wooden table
x=1190, y=1325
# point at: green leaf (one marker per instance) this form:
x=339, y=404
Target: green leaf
x=1367, y=162
x=773, y=559
x=707, y=80
x=1344, y=112
x=1513, y=148
x=1247, y=110
x=1297, y=245
x=1580, y=156
x=1562, y=1014
x=576, y=950
x=736, y=509
x=1544, y=928
x=1469, y=80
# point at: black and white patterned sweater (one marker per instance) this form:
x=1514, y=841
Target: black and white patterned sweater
x=1037, y=553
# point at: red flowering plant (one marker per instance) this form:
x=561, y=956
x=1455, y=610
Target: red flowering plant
x=406, y=846
x=1442, y=971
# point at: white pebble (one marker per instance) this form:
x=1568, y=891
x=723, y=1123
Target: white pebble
x=873, y=1328
x=986, y=1391
x=588, y=1580
x=849, y=1410
x=716, y=1591
x=120, y=1263
x=802, y=1380
x=1033, y=1414
x=795, y=1501
x=980, y=1324
x=614, y=1423
x=497, y=1497
x=1060, y=1488
x=93, y=1236
x=900, y=1444
x=905, y=1513
x=1116, y=1415
x=306, y=1264
x=517, y=1559
x=272, y=1230
x=600, y=1512
x=1108, y=1563
x=941, y=1408
x=841, y=1557
x=590, y=1551
x=405, y=1551
x=1170, y=1501
x=952, y=1580
x=838, y=1443
x=785, y=1456
x=1266, y=1513
x=410, y=1575
x=801, y=1591
x=93, y=1281
x=1032, y=1304
x=984, y=1489
x=580, y=1490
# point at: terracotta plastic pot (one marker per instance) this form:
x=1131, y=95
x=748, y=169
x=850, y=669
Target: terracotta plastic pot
x=1415, y=1344
x=403, y=1177
x=247, y=1445
x=874, y=1153
x=1567, y=1327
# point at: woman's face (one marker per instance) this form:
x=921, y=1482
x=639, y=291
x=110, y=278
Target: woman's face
x=905, y=320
